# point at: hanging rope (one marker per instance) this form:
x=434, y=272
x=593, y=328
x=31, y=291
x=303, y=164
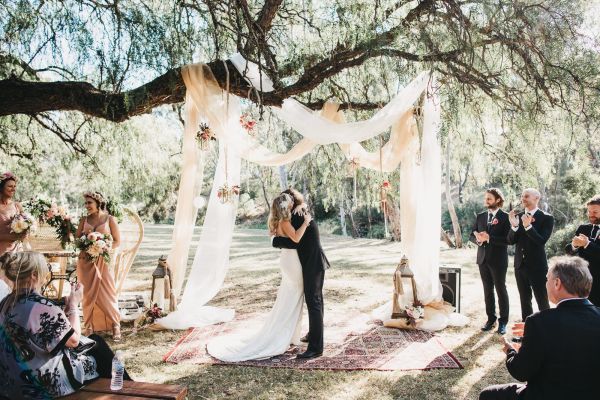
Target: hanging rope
x=383, y=193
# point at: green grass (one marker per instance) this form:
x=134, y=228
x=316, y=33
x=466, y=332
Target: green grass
x=360, y=280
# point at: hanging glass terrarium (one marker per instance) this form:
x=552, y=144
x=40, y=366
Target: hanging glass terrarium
x=352, y=166
x=204, y=136
x=227, y=194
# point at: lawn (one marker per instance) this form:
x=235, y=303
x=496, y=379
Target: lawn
x=360, y=280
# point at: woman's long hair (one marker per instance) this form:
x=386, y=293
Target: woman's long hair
x=21, y=267
x=280, y=211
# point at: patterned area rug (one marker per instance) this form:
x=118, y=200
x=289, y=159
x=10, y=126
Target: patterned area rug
x=379, y=348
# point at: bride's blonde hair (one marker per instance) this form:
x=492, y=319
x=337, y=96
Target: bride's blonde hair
x=280, y=211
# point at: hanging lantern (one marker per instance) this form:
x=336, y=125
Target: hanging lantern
x=352, y=166
x=228, y=194
x=204, y=136
x=403, y=273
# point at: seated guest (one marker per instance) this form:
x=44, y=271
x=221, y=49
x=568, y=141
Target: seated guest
x=38, y=340
x=559, y=356
x=586, y=244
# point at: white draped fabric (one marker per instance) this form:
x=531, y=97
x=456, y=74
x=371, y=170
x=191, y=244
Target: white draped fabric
x=420, y=180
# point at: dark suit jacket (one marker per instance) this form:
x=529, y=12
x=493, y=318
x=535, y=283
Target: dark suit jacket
x=560, y=353
x=310, y=252
x=592, y=254
x=530, y=244
x=495, y=252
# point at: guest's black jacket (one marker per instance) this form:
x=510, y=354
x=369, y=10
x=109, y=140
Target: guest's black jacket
x=530, y=244
x=560, y=353
x=495, y=252
x=592, y=254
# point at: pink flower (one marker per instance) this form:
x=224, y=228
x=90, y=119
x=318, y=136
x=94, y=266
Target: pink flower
x=495, y=221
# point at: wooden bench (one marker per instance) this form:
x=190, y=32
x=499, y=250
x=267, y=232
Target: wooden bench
x=100, y=390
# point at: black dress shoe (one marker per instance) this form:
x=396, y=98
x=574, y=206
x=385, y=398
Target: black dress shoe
x=502, y=328
x=310, y=354
x=488, y=326
x=304, y=339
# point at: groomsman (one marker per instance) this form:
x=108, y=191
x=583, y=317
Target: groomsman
x=490, y=232
x=586, y=244
x=530, y=230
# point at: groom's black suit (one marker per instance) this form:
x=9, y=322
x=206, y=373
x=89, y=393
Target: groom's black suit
x=314, y=263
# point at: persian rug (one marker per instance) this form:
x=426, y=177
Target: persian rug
x=378, y=348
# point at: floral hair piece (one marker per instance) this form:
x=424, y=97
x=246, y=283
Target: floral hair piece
x=96, y=196
x=8, y=175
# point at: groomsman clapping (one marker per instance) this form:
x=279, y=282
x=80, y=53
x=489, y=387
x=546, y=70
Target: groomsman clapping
x=586, y=244
x=530, y=231
x=490, y=232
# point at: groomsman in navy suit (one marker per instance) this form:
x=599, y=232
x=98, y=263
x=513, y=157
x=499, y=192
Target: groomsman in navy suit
x=530, y=231
x=586, y=244
x=490, y=232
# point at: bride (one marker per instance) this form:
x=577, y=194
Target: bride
x=282, y=325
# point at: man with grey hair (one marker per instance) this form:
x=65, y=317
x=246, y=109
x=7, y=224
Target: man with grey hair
x=559, y=357
x=530, y=231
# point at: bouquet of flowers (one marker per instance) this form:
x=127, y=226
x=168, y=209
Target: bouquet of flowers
x=95, y=244
x=415, y=312
x=40, y=208
x=248, y=123
x=148, y=316
x=22, y=223
x=204, y=136
x=226, y=194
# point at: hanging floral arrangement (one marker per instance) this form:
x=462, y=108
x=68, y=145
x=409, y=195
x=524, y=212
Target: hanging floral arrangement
x=352, y=166
x=386, y=186
x=227, y=194
x=204, y=136
x=248, y=124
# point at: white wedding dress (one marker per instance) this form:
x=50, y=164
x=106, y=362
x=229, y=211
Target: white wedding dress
x=281, y=327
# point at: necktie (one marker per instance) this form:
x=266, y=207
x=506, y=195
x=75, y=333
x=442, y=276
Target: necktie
x=594, y=233
x=490, y=217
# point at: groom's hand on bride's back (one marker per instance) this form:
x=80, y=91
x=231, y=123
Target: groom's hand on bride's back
x=281, y=242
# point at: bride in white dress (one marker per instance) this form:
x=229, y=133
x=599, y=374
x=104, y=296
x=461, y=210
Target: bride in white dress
x=283, y=323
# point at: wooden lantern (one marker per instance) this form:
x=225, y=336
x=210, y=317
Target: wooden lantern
x=161, y=285
x=403, y=272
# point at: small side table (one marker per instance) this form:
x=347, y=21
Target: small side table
x=65, y=259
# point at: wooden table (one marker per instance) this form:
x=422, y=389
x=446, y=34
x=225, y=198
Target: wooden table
x=100, y=389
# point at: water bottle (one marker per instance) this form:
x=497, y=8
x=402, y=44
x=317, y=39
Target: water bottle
x=118, y=368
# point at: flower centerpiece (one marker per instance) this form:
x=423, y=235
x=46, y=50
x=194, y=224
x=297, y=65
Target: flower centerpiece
x=204, y=136
x=62, y=222
x=96, y=245
x=248, y=124
x=226, y=194
x=22, y=223
x=41, y=208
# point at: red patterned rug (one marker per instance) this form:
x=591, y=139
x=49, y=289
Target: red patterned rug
x=379, y=348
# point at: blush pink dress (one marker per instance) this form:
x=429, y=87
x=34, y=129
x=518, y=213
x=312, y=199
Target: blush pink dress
x=5, y=221
x=100, y=309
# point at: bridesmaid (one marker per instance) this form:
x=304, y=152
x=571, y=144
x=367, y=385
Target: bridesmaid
x=9, y=242
x=100, y=307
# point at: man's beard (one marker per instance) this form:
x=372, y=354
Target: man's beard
x=594, y=220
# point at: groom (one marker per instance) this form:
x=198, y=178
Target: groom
x=314, y=263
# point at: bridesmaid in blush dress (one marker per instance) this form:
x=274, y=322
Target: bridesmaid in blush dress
x=9, y=242
x=100, y=307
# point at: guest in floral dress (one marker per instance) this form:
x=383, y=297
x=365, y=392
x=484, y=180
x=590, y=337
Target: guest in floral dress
x=100, y=307
x=8, y=209
x=37, y=338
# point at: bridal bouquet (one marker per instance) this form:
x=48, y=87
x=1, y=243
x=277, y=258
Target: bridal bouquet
x=22, y=223
x=95, y=244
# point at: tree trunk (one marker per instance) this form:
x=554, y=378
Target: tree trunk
x=353, y=224
x=393, y=213
x=283, y=182
x=446, y=238
x=264, y=189
x=451, y=210
x=343, y=216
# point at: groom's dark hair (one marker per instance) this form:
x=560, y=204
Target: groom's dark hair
x=296, y=195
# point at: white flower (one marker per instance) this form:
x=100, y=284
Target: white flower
x=101, y=244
